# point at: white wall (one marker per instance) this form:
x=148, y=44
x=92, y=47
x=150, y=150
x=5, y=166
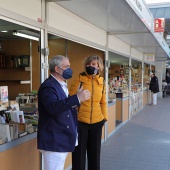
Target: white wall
x=115, y=44
x=136, y=54
x=65, y=21
x=27, y=8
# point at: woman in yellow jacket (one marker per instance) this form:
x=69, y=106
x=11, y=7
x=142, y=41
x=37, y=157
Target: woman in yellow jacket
x=92, y=115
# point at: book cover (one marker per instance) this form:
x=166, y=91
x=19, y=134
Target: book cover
x=4, y=94
x=30, y=128
x=2, y=119
x=5, y=132
x=13, y=131
x=17, y=116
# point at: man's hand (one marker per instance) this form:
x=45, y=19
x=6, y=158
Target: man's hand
x=83, y=95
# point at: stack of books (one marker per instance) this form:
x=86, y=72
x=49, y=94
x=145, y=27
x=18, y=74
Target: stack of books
x=32, y=119
x=30, y=128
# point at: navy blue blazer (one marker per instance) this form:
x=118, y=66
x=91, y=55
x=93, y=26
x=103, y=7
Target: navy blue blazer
x=57, y=125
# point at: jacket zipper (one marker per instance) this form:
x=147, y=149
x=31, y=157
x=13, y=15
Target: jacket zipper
x=91, y=102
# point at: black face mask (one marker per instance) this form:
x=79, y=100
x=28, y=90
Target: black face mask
x=91, y=70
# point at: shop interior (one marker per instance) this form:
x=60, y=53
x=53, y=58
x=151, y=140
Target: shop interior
x=19, y=76
x=120, y=72
x=136, y=75
x=74, y=51
x=19, y=59
x=118, y=75
x=118, y=84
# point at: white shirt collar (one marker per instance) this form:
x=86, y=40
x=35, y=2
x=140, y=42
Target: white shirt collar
x=63, y=85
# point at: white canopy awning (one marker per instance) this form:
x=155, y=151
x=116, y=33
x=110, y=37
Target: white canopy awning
x=122, y=19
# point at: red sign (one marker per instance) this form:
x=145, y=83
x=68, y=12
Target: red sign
x=159, y=25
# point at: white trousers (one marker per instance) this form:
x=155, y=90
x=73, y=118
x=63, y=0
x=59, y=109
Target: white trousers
x=154, y=98
x=54, y=160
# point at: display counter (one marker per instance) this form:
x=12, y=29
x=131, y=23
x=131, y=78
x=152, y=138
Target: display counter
x=136, y=102
x=125, y=109
x=19, y=154
x=122, y=108
x=145, y=96
x=111, y=117
x=115, y=95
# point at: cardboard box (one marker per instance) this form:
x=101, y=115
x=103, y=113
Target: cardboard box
x=4, y=94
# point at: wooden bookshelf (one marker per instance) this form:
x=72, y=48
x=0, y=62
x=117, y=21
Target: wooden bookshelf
x=8, y=74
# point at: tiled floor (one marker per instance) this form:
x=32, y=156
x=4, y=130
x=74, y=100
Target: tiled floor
x=143, y=143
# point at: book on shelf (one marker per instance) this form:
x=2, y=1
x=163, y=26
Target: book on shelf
x=22, y=134
x=2, y=60
x=5, y=116
x=2, y=141
x=17, y=116
x=30, y=128
x=9, y=61
x=15, y=106
x=2, y=119
x=33, y=119
x=5, y=132
x=21, y=126
x=13, y=131
x=22, y=129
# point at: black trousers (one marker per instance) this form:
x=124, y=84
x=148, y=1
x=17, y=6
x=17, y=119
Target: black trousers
x=89, y=141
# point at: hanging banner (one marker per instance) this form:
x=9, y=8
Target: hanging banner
x=149, y=57
x=159, y=25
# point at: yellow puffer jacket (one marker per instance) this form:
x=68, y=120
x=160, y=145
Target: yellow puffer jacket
x=94, y=109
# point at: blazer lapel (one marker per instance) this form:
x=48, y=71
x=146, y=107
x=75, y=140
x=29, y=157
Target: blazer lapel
x=58, y=86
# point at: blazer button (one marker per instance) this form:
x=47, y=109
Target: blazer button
x=68, y=115
x=67, y=127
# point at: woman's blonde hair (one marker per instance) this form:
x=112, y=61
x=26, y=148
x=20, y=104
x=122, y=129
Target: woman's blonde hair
x=89, y=59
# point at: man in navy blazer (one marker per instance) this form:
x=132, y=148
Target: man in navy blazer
x=57, y=125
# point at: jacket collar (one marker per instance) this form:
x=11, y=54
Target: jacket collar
x=92, y=76
x=85, y=77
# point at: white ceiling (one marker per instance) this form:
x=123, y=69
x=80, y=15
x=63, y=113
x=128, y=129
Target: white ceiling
x=117, y=18
x=114, y=16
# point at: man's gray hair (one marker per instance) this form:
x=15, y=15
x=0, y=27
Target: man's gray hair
x=56, y=61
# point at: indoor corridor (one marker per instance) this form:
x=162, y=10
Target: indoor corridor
x=143, y=143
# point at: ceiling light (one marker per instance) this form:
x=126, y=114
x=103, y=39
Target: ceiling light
x=25, y=36
x=4, y=31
